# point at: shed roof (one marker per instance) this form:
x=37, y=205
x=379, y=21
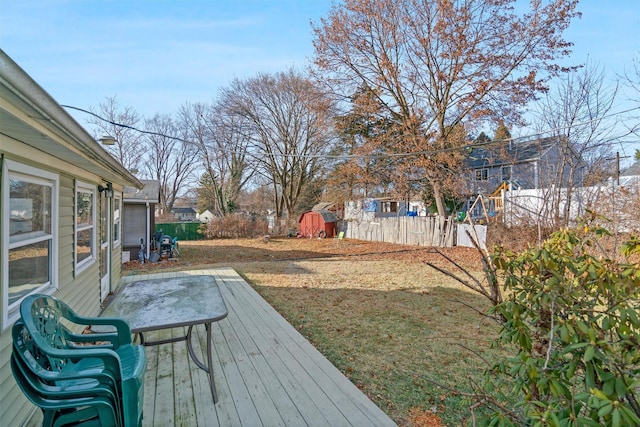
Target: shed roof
x=323, y=206
x=327, y=216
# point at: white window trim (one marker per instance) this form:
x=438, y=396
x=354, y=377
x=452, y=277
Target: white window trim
x=117, y=239
x=11, y=314
x=510, y=173
x=85, y=263
x=481, y=170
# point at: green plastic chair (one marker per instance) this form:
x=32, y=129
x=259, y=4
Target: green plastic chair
x=78, y=411
x=58, y=384
x=112, y=354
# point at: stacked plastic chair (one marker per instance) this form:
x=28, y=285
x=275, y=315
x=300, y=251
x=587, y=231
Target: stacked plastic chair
x=78, y=379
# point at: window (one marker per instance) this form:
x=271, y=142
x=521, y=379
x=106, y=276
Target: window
x=29, y=235
x=506, y=173
x=85, y=248
x=482, y=174
x=117, y=215
x=389, y=207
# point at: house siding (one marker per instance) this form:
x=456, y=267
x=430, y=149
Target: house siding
x=537, y=171
x=38, y=132
x=81, y=292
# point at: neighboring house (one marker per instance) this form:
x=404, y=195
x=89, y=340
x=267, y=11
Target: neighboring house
x=205, y=216
x=139, y=217
x=60, y=214
x=184, y=214
x=368, y=209
x=417, y=208
x=631, y=175
x=527, y=164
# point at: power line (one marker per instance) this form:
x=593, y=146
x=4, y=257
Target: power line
x=148, y=132
x=375, y=156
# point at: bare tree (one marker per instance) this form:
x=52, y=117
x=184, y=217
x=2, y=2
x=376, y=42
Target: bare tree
x=289, y=124
x=223, y=148
x=440, y=63
x=631, y=79
x=130, y=146
x=171, y=158
x=576, y=112
x=258, y=200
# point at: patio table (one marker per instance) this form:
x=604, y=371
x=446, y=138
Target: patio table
x=156, y=304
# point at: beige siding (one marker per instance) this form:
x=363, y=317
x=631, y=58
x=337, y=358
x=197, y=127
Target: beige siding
x=80, y=291
x=116, y=267
x=66, y=230
x=14, y=407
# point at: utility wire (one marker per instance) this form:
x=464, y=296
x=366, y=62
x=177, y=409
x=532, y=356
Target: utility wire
x=148, y=132
x=372, y=156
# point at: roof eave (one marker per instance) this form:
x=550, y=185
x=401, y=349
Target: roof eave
x=62, y=128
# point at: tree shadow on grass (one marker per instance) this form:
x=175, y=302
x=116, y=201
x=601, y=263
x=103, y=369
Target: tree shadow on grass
x=411, y=348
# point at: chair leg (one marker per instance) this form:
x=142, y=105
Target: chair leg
x=95, y=415
x=48, y=417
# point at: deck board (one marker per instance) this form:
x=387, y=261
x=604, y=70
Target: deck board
x=266, y=373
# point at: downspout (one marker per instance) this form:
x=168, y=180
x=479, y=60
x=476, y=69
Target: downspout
x=148, y=228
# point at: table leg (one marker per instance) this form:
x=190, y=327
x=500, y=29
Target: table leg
x=209, y=367
x=214, y=392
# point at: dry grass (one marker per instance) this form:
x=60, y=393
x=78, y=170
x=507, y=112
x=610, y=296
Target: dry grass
x=402, y=332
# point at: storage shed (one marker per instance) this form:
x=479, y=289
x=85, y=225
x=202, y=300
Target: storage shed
x=138, y=218
x=317, y=224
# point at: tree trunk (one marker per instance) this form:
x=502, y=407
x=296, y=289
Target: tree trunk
x=439, y=198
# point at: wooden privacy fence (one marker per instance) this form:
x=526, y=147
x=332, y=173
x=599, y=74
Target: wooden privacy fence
x=405, y=230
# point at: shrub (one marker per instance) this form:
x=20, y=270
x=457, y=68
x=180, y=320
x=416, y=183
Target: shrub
x=572, y=325
x=235, y=226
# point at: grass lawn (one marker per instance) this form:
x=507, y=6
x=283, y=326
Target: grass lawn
x=404, y=333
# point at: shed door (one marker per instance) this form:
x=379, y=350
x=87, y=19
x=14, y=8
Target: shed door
x=316, y=225
x=134, y=224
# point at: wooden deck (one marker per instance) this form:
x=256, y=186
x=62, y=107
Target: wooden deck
x=267, y=374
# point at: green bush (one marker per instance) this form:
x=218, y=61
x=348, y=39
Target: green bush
x=572, y=324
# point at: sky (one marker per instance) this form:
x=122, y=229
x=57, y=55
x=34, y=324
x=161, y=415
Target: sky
x=156, y=55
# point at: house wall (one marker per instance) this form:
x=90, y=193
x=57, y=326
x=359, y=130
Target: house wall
x=535, y=173
x=524, y=173
x=369, y=209
x=81, y=291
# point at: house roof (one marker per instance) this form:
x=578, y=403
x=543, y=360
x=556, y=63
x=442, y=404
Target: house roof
x=516, y=151
x=150, y=193
x=633, y=170
x=183, y=210
x=630, y=181
x=30, y=116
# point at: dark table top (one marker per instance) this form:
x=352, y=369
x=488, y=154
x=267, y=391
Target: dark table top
x=154, y=304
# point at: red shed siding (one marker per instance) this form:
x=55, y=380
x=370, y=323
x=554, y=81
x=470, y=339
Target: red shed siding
x=312, y=223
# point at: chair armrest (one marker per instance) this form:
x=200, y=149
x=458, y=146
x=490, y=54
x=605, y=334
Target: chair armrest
x=109, y=358
x=120, y=336
x=97, y=339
